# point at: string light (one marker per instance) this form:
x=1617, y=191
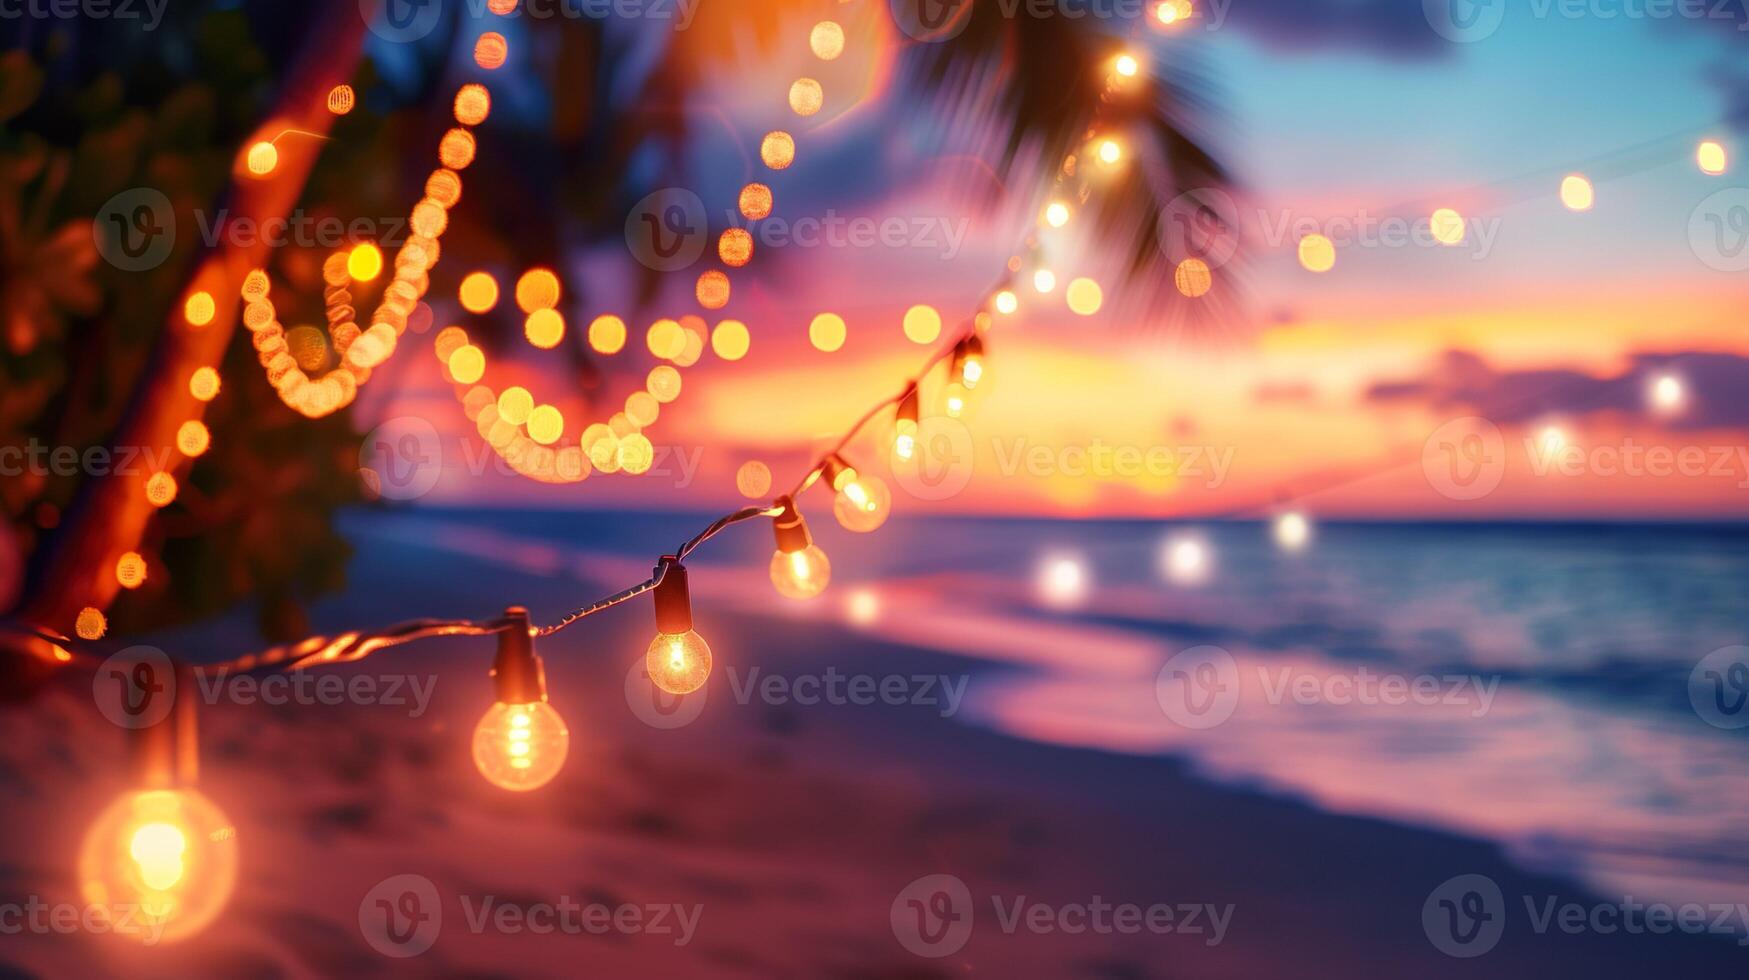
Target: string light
x=193, y=438
x=968, y=363
x=130, y=570
x=1110, y=152
x=159, y=863
x=262, y=158
x=678, y=659
x=341, y=99
x=905, y=425
x=799, y=569
x=520, y=743
x=862, y=502
x=199, y=309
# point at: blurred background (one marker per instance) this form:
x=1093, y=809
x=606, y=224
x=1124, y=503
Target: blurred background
x=1344, y=542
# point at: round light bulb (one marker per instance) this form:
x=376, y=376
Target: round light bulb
x=800, y=574
x=905, y=439
x=678, y=663
x=159, y=864
x=863, y=503
x=520, y=746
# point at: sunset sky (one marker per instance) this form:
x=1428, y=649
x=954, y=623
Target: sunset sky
x=1316, y=391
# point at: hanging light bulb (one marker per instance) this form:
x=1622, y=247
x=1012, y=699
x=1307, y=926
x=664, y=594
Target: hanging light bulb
x=968, y=363
x=158, y=864
x=953, y=400
x=679, y=660
x=521, y=742
x=863, y=501
x=905, y=425
x=799, y=569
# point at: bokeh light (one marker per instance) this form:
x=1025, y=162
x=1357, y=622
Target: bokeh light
x=1056, y=214
x=1317, y=253
x=922, y=324
x=755, y=201
x=203, y=384
x=1061, y=580
x=1447, y=226
x=1712, y=157
x=713, y=289
x=490, y=50
x=160, y=489
x=735, y=247
x=467, y=364
x=753, y=479
x=1292, y=531
x=199, y=309
x=478, y=292
x=1085, y=297
x=730, y=340
x=806, y=97
x=515, y=405
x=665, y=339
x=544, y=329
x=341, y=99
x=607, y=334
x=1185, y=559
x=826, y=40
x=537, y=289
x=262, y=158
x=193, y=438
x=130, y=570
x=545, y=424
x=472, y=104
x=365, y=262
x=1193, y=278
x=827, y=332
x=777, y=149
x=1577, y=194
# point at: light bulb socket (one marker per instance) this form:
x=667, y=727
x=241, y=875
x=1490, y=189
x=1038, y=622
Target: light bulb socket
x=518, y=675
x=166, y=753
x=908, y=405
x=791, y=529
x=673, y=598
x=837, y=472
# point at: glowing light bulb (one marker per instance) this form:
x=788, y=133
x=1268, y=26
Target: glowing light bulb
x=520, y=747
x=799, y=569
x=1044, y=280
x=863, y=502
x=953, y=400
x=364, y=262
x=1056, y=214
x=1110, y=152
x=1007, y=302
x=1577, y=194
x=1447, y=226
x=1553, y=440
x=800, y=574
x=262, y=158
x=161, y=862
x=1127, y=65
x=678, y=663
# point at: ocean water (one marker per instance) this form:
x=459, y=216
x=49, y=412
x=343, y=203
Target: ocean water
x=1554, y=688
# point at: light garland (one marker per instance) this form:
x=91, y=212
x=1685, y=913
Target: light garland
x=167, y=850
